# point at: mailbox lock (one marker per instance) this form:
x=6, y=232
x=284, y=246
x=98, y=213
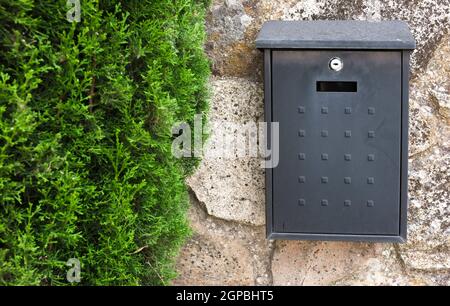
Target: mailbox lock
x=336, y=64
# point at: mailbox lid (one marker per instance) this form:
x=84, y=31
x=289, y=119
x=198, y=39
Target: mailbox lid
x=339, y=34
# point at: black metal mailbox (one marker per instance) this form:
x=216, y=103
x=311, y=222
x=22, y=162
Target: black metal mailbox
x=339, y=90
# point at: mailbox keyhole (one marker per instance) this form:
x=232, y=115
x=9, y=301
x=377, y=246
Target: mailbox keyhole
x=336, y=64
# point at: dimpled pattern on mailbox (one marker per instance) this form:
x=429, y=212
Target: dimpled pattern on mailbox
x=339, y=170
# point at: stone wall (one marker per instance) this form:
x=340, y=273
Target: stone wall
x=227, y=195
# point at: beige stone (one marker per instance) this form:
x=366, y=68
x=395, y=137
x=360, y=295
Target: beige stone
x=428, y=247
x=429, y=197
x=437, y=78
x=231, y=36
x=229, y=245
x=317, y=263
x=377, y=272
x=205, y=261
x=223, y=253
x=381, y=270
x=232, y=188
x=427, y=261
x=423, y=131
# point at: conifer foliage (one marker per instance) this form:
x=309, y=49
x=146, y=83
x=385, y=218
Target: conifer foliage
x=86, y=110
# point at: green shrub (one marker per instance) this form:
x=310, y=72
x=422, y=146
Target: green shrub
x=86, y=110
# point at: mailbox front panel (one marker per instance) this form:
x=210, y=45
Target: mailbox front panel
x=340, y=142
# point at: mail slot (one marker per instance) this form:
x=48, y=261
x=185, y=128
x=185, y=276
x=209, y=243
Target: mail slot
x=339, y=91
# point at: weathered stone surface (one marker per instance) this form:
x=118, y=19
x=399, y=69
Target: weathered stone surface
x=429, y=212
x=429, y=102
x=232, y=49
x=205, y=261
x=317, y=263
x=236, y=251
x=381, y=270
x=231, y=187
x=233, y=26
x=434, y=83
x=223, y=253
x=428, y=246
x=422, y=127
x=436, y=278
